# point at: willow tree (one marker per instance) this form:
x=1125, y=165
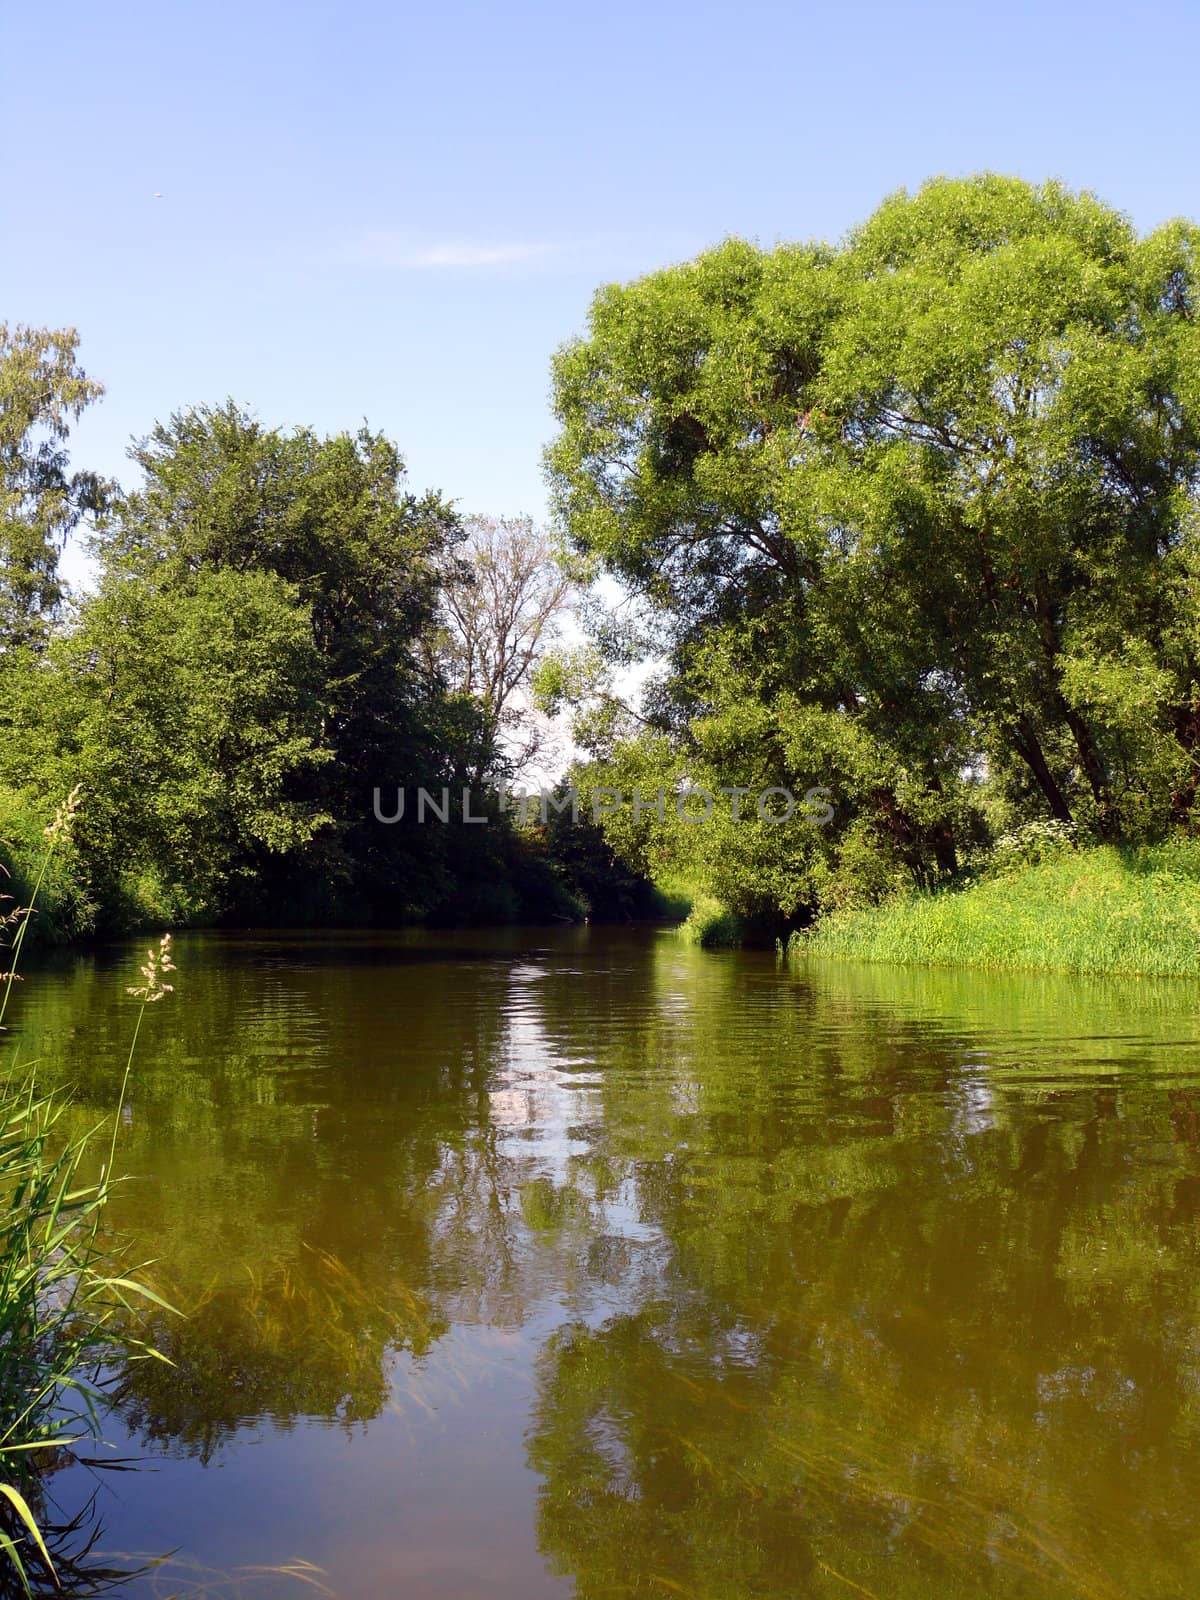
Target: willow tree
x=911, y=510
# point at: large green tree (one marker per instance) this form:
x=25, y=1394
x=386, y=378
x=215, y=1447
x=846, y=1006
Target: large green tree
x=264, y=652
x=192, y=720
x=909, y=511
x=332, y=517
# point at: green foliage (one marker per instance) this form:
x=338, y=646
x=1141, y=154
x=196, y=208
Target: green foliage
x=912, y=518
x=64, y=910
x=601, y=884
x=1029, y=846
x=65, y=1299
x=64, y=1308
x=331, y=519
x=1099, y=910
x=262, y=653
x=710, y=925
x=42, y=390
x=192, y=719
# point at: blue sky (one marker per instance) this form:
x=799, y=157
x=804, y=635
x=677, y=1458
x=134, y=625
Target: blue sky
x=398, y=211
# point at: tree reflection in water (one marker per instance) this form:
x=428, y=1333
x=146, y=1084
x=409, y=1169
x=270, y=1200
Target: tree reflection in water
x=841, y=1282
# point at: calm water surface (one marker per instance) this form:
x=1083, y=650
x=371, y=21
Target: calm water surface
x=578, y=1263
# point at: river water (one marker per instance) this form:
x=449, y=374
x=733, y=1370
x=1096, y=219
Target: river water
x=576, y=1262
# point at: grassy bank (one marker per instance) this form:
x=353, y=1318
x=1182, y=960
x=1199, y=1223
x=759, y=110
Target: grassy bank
x=1100, y=910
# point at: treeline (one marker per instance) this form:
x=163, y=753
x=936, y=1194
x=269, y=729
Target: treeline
x=915, y=518
x=278, y=626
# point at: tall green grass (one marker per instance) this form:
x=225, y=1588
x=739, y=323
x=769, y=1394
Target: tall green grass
x=1098, y=910
x=64, y=1305
x=710, y=924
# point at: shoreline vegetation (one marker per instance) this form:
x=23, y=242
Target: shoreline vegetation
x=913, y=517
x=1132, y=912
x=69, y=1305
x=1093, y=911
x=1097, y=910
x=907, y=524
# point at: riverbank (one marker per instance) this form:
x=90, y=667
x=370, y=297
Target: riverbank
x=1100, y=910
x=513, y=873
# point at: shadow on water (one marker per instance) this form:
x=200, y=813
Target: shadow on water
x=542, y=1263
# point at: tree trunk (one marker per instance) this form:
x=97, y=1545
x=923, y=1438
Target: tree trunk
x=1089, y=759
x=1025, y=742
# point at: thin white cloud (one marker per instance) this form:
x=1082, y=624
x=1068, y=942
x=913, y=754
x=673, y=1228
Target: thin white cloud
x=401, y=252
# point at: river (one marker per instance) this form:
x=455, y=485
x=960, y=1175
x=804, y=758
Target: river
x=576, y=1262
